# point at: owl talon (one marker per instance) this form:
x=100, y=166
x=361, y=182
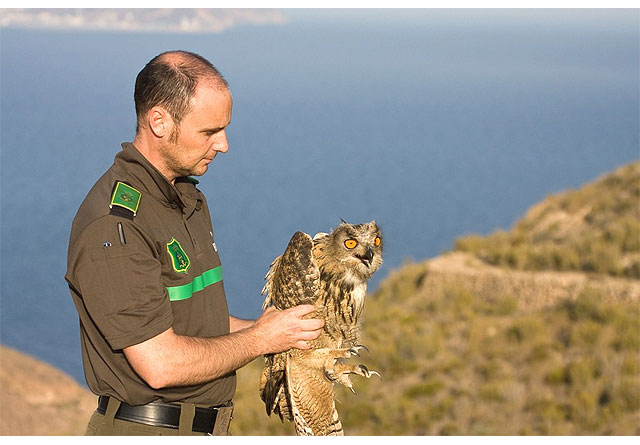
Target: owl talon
x=354, y=350
x=329, y=374
x=366, y=373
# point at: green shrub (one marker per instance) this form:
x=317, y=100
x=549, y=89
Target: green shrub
x=526, y=329
x=428, y=388
x=586, y=333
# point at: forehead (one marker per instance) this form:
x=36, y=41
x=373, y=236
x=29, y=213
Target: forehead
x=210, y=105
x=363, y=230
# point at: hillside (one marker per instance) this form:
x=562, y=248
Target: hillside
x=461, y=353
x=37, y=399
x=593, y=229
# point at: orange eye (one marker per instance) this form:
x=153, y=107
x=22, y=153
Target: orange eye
x=377, y=241
x=350, y=243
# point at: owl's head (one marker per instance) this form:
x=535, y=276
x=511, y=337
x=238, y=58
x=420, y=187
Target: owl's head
x=356, y=248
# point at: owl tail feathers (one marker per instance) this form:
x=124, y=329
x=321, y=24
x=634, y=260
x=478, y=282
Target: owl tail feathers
x=332, y=428
x=272, y=392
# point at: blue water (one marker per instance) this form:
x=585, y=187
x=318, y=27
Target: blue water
x=434, y=128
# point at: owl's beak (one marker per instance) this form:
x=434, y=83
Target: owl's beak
x=367, y=258
x=369, y=255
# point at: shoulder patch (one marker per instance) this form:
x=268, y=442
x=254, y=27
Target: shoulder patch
x=125, y=197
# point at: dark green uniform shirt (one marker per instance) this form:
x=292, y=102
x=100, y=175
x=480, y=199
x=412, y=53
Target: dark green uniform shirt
x=159, y=269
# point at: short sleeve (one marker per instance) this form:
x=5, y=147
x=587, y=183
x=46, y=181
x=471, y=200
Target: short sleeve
x=121, y=284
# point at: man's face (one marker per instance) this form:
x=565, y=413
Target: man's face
x=201, y=134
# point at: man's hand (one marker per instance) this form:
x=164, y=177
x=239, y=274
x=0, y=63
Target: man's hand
x=282, y=330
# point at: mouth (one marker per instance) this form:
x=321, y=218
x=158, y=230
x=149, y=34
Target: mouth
x=364, y=260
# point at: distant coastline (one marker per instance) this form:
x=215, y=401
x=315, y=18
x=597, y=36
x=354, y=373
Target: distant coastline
x=138, y=20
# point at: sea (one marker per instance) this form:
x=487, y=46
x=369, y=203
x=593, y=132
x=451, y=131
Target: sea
x=435, y=124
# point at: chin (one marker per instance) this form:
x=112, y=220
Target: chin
x=199, y=171
x=365, y=271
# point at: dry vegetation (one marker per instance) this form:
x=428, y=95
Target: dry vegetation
x=457, y=363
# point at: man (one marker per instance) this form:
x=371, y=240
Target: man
x=158, y=344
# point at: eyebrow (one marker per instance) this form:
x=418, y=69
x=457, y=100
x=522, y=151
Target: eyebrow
x=212, y=130
x=215, y=129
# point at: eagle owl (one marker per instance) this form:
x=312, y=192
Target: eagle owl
x=329, y=271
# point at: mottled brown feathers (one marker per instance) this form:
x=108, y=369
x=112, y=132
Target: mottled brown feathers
x=329, y=271
x=294, y=276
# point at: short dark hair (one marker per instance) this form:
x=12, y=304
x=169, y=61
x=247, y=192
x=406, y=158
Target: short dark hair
x=170, y=80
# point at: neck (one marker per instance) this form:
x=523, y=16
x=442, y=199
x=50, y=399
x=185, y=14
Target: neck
x=152, y=153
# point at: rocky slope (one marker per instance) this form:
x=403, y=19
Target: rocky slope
x=37, y=399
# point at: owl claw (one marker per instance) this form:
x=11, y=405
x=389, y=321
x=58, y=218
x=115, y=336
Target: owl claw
x=354, y=350
x=366, y=373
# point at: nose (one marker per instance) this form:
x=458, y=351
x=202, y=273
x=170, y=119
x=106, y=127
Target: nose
x=221, y=144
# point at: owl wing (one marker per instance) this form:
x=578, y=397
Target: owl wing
x=293, y=279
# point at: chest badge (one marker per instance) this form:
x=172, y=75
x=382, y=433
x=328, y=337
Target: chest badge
x=178, y=256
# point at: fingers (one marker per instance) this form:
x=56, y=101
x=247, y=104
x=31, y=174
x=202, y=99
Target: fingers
x=302, y=345
x=309, y=335
x=289, y=328
x=311, y=324
x=303, y=309
x=305, y=324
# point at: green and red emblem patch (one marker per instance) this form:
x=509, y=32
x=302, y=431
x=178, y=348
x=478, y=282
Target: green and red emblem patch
x=178, y=256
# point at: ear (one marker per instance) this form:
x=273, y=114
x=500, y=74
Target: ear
x=160, y=122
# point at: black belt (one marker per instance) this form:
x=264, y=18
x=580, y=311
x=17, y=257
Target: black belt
x=165, y=415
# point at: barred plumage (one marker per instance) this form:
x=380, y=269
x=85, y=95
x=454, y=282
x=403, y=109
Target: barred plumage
x=329, y=271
